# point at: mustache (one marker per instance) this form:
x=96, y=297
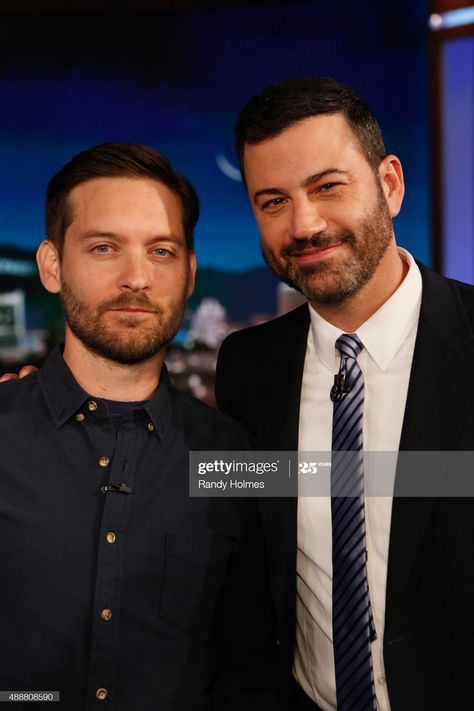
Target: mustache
x=126, y=300
x=318, y=241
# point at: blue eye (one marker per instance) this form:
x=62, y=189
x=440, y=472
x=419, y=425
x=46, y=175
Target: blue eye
x=101, y=248
x=161, y=251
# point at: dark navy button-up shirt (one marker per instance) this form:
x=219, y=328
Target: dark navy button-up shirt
x=118, y=589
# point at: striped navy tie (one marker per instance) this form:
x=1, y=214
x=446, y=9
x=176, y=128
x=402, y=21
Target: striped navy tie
x=353, y=627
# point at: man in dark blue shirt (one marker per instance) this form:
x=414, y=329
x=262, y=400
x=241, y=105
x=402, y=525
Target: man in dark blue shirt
x=118, y=589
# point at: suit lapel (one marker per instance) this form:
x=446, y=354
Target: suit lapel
x=436, y=402
x=281, y=382
x=279, y=402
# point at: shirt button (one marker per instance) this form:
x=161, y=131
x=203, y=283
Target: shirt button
x=80, y=417
x=111, y=537
x=92, y=405
x=106, y=614
x=382, y=680
x=151, y=427
x=104, y=461
x=101, y=694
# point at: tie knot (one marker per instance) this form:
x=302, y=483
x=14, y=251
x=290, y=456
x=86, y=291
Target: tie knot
x=349, y=345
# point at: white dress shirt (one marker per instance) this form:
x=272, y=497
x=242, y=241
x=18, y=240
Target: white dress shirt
x=388, y=338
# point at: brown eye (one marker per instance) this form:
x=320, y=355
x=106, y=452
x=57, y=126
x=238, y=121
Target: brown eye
x=328, y=186
x=273, y=204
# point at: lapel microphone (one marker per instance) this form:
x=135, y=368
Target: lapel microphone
x=340, y=387
x=116, y=488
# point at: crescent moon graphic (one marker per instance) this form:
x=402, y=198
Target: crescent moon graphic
x=227, y=168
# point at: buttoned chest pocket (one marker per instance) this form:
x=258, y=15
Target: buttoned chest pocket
x=195, y=570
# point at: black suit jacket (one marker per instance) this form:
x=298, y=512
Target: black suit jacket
x=429, y=624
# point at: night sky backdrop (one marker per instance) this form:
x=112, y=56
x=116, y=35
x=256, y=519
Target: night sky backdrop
x=176, y=80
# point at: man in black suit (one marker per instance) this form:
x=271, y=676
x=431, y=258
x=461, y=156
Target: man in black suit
x=119, y=590
x=324, y=192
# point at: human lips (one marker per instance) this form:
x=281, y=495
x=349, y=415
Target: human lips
x=314, y=254
x=316, y=247
x=129, y=304
x=132, y=310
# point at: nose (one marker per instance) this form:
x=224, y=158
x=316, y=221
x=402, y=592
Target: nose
x=136, y=274
x=306, y=219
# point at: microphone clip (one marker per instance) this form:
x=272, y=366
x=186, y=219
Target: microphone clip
x=340, y=387
x=116, y=488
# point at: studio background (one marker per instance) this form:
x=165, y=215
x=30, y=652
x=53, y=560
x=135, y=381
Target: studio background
x=175, y=79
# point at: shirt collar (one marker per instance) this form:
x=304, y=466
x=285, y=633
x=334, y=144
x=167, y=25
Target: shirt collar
x=385, y=331
x=65, y=397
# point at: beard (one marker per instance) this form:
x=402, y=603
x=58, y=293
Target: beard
x=132, y=340
x=334, y=280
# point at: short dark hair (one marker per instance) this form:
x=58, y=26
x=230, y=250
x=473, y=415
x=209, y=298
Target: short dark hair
x=281, y=105
x=115, y=160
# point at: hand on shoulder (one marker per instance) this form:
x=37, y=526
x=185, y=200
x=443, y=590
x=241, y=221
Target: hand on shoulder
x=26, y=370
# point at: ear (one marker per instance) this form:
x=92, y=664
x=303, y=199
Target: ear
x=191, y=274
x=393, y=186
x=49, y=266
